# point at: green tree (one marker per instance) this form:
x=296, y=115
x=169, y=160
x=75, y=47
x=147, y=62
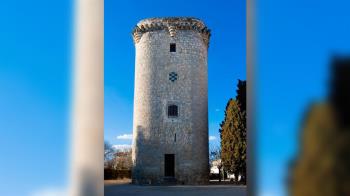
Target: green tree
x=241, y=96
x=233, y=134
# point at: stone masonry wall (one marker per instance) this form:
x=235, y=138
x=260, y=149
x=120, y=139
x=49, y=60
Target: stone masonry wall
x=153, y=131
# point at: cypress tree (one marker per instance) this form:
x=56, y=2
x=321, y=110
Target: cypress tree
x=233, y=134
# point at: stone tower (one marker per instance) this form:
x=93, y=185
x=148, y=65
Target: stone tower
x=170, y=125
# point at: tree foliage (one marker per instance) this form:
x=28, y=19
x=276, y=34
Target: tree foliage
x=321, y=166
x=117, y=159
x=109, y=151
x=233, y=133
x=241, y=96
x=123, y=160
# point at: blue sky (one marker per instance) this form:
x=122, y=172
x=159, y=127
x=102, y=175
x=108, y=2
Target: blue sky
x=34, y=94
x=226, y=58
x=295, y=42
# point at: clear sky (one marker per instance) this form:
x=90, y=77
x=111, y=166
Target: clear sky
x=34, y=94
x=295, y=42
x=226, y=57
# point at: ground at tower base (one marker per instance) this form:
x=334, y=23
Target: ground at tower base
x=125, y=188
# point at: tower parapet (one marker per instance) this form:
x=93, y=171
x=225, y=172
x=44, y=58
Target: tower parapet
x=171, y=24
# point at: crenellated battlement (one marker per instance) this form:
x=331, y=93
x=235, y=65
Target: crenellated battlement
x=171, y=24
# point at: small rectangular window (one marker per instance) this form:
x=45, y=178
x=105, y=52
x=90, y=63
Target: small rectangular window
x=172, y=47
x=172, y=111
